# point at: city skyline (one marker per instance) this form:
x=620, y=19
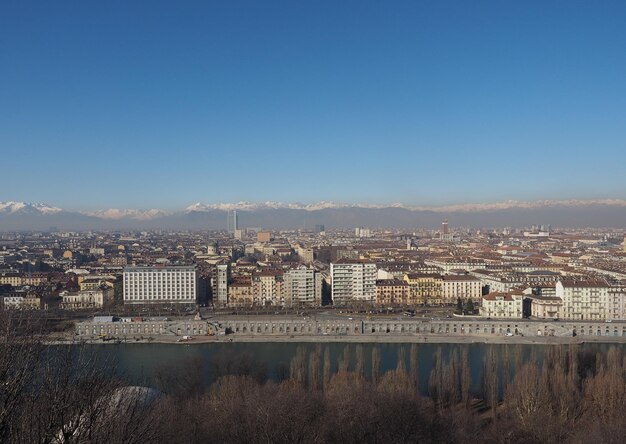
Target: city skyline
x=422, y=103
x=312, y=221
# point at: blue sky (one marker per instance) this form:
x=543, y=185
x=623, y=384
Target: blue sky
x=161, y=104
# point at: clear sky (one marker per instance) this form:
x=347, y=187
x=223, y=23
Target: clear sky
x=161, y=104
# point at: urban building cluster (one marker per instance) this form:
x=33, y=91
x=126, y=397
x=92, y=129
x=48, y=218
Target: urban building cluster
x=536, y=272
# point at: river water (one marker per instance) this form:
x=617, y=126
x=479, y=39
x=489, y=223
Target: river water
x=141, y=363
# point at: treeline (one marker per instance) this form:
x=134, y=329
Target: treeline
x=67, y=394
x=566, y=395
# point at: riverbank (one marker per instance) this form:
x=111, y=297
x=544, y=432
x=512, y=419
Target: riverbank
x=419, y=339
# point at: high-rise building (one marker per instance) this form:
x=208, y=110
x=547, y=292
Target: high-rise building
x=232, y=221
x=303, y=286
x=444, y=226
x=220, y=295
x=362, y=232
x=157, y=285
x=353, y=280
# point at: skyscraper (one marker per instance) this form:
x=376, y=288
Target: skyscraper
x=232, y=221
x=444, y=226
x=220, y=295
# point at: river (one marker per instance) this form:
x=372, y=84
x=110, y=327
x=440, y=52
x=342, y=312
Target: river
x=141, y=363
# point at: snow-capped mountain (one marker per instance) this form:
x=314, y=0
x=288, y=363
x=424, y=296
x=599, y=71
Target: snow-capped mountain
x=27, y=208
x=470, y=207
x=269, y=205
x=279, y=215
x=116, y=213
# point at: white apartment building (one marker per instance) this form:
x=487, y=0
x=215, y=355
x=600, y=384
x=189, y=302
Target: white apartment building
x=303, y=286
x=616, y=305
x=503, y=305
x=583, y=300
x=461, y=286
x=353, y=280
x=167, y=284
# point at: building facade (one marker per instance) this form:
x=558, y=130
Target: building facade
x=267, y=287
x=303, y=286
x=503, y=305
x=233, y=223
x=426, y=288
x=86, y=299
x=167, y=284
x=220, y=287
x=353, y=280
x=392, y=293
x=461, y=286
x=583, y=300
x=240, y=292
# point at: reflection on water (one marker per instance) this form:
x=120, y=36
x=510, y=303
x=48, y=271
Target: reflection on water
x=141, y=362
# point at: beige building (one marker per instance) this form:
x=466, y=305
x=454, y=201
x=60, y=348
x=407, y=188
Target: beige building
x=306, y=254
x=264, y=236
x=545, y=307
x=461, y=286
x=267, y=287
x=503, y=305
x=426, y=288
x=392, y=293
x=240, y=292
x=19, y=279
x=89, y=282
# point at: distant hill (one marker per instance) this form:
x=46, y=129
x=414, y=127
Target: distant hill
x=37, y=216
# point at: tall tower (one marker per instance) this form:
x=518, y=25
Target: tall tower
x=232, y=221
x=444, y=226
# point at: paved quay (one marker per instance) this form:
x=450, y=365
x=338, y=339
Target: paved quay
x=337, y=328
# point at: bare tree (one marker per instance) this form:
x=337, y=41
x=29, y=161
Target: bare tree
x=359, y=366
x=465, y=377
x=315, y=381
x=327, y=368
x=344, y=360
x=298, y=367
x=375, y=364
x=414, y=363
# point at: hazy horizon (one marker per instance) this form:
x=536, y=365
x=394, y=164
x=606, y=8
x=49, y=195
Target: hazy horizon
x=132, y=105
x=273, y=215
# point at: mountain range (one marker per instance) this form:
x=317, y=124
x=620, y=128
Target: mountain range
x=277, y=215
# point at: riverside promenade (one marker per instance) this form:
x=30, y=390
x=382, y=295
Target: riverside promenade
x=333, y=328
